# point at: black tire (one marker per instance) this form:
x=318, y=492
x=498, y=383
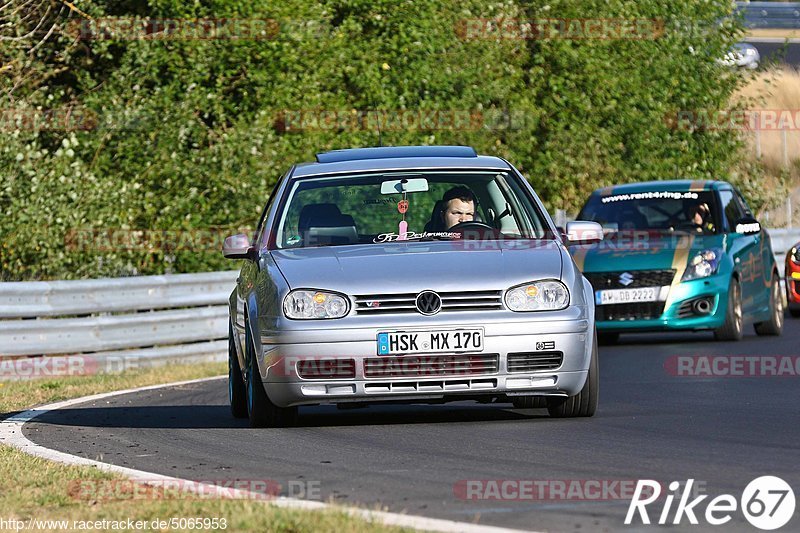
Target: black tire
x=732, y=329
x=585, y=402
x=607, y=338
x=529, y=402
x=773, y=326
x=261, y=411
x=237, y=392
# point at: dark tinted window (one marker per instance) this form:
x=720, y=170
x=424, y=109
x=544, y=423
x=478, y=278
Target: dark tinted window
x=731, y=207
x=654, y=210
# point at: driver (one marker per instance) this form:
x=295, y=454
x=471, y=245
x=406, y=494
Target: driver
x=458, y=205
x=700, y=218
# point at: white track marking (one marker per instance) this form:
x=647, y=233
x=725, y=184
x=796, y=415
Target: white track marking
x=11, y=434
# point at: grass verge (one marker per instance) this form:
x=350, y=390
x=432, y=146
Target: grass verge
x=34, y=491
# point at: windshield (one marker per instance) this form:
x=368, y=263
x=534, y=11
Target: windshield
x=368, y=208
x=665, y=211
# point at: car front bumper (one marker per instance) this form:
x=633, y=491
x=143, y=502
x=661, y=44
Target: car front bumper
x=571, y=334
x=675, y=316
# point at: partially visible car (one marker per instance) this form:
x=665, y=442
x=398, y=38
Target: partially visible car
x=793, y=280
x=358, y=287
x=742, y=55
x=680, y=255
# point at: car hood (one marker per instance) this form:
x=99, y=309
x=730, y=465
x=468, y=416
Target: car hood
x=413, y=267
x=642, y=251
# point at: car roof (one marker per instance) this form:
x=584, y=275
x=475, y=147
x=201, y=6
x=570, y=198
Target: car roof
x=663, y=185
x=399, y=158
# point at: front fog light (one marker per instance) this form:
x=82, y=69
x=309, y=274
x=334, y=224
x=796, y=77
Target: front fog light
x=549, y=295
x=310, y=304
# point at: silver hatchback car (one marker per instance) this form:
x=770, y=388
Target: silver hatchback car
x=409, y=274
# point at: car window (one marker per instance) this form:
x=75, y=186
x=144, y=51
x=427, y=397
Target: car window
x=742, y=203
x=731, y=207
x=343, y=210
x=666, y=211
x=258, y=235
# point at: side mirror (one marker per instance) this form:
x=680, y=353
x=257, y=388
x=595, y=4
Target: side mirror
x=747, y=225
x=584, y=232
x=237, y=247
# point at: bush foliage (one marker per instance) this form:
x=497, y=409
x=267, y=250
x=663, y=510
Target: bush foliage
x=189, y=135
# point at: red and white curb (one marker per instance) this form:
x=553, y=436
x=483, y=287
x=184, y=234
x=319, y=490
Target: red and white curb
x=11, y=434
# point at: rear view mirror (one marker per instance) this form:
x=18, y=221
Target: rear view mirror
x=404, y=185
x=584, y=232
x=747, y=225
x=237, y=247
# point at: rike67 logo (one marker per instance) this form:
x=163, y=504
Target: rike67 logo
x=767, y=502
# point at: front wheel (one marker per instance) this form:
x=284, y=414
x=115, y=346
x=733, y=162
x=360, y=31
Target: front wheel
x=731, y=330
x=773, y=326
x=585, y=402
x=261, y=411
x=237, y=393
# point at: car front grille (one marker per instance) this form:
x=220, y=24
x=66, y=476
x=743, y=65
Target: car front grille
x=641, y=278
x=377, y=304
x=533, y=362
x=686, y=309
x=629, y=311
x=430, y=365
x=332, y=368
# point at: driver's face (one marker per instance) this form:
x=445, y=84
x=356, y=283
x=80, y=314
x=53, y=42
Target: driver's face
x=457, y=211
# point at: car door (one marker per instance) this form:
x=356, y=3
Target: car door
x=762, y=268
x=249, y=273
x=743, y=248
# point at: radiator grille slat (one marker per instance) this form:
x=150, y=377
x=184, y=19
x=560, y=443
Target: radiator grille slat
x=629, y=311
x=431, y=365
x=376, y=304
x=532, y=362
x=641, y=278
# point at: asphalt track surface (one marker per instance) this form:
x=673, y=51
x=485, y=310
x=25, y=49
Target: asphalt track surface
x=720, y=431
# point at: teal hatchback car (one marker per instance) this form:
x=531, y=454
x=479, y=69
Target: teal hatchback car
x=679, y=255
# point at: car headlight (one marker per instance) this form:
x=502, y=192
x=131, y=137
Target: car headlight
x=749, y=52
x=548, y=295
x=795, y=255
x=702, y=265
x=307, y=304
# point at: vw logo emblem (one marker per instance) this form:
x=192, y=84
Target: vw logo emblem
x=428, y=303
x=626, y=278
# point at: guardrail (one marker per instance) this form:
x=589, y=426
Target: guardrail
x=147, y=320
x=778, y=15
x=782, y=241
x=105, y=325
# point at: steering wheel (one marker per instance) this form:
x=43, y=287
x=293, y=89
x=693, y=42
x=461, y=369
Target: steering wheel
x=472, y=229
x=472, y=224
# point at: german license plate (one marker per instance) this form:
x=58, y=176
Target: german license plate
x=623, y=296
x=450, y=341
